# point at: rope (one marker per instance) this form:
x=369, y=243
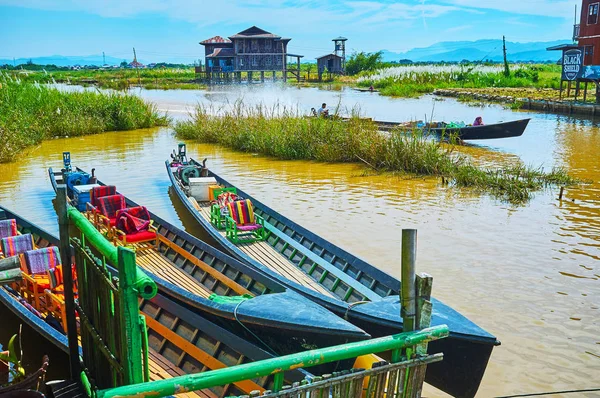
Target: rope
x=549, y=393
x=272, y=351
x=351, y=305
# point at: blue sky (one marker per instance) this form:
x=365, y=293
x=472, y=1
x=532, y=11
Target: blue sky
x=171, y=29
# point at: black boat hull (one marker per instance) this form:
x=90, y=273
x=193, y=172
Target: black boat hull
x=190, y=323
x=308, y=323
x=466, y=351
x=514, y=128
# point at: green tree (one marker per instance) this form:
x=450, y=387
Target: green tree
x=363, y=61
x=124, y=64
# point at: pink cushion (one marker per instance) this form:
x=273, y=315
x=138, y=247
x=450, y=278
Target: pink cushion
x=249, y=227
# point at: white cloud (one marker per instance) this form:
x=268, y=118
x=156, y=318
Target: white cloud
x=280, y=12
x=545, y=8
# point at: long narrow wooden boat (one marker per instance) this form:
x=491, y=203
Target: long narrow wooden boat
x=514, y=128
x=191, y=271
x=347, y=285
x=180, y=341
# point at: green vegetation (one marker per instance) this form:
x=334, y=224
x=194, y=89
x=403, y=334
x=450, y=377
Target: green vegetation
x=117, y=79
x=30, y=113
x=416, y=80
x=11, y=358
x=287, y=135
x=363, y=62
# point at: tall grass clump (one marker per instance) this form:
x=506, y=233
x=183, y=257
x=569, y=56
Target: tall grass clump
x=415, y=80
x=285, y=134
x=30, y=113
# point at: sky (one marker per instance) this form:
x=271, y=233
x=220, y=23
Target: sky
x=171, y=29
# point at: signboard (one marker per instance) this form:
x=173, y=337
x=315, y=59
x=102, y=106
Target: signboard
x=591, y=72
x=572, y=64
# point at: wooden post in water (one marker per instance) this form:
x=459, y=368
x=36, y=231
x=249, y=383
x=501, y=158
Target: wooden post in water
x=561, y=90
x=65, y=257
x=424, y=285
x=409, y=260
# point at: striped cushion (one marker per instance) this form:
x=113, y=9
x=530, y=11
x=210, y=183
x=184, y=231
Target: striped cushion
x=110, y=205
x=14, y=245
x=241, y=211
x=99, y=192
x=41, y=260
x=8, y=228
x=55, y=277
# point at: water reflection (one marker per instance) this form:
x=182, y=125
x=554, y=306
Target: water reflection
x=528, y=274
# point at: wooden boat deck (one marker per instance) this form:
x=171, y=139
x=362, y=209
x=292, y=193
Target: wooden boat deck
x=267, y=255
x=158, y=265
x=152, y=261
x=162, y=369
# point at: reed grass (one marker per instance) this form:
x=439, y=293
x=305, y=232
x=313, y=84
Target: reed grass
x=30, y=113
x=285, y=134
x=416, y=80
x=116, y=79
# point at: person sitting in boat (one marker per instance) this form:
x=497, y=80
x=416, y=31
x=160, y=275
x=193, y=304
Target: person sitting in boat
x=478, y=121
x=323, y=111
x=371, y=88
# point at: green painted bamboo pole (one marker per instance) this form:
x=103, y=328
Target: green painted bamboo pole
x=65, y=256
x=199, y=381
x=131, y=332
x=145, y=286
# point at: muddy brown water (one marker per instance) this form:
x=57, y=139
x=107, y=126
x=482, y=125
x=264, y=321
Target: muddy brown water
x=528, y=274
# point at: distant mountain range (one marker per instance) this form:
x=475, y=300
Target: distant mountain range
x=448, y=51
x=456, y=51
x=62, y=60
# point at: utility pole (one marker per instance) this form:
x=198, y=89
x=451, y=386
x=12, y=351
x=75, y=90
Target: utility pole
x=14, y=63
x=103, y=59
x=506, y=70
x=135, y=65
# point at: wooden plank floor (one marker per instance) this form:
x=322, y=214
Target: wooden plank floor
x=267, y=255
x=155, y=263
x=160, y=266
x=162, y=369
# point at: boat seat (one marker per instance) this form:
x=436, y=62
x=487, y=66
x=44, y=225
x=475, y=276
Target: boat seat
x=15, y=245
x=95, y=194
x=218, y=209
x=8, y=228
x=134, y=225
x=242, y=225
x=100, y=192
x=35, y=276
x=108, y=206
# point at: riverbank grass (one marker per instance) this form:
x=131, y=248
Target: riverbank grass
x=286, y=135
x=416, y=80
x=31, y=113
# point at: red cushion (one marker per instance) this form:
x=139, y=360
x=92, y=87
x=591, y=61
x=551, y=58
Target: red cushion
x=141, y=236
x=99, y=192
x=109, y=205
